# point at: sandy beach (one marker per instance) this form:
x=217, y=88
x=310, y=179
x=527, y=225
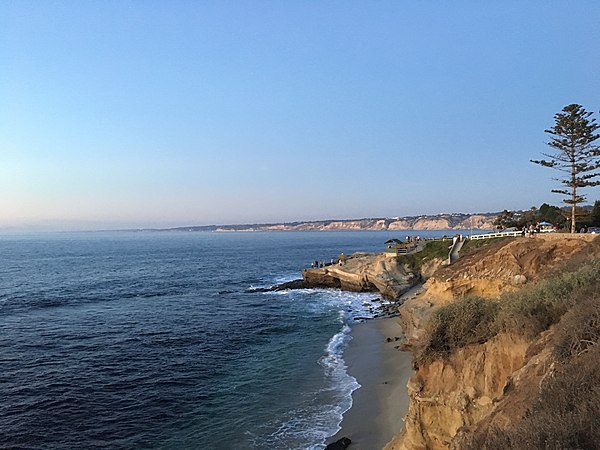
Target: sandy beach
x=381, y=402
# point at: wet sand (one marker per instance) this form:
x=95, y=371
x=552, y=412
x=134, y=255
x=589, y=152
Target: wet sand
x=381, y=402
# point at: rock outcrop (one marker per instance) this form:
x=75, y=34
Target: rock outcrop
x=364, y=272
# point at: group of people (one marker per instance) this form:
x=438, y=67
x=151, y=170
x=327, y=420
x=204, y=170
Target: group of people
x=530, y=231
x=316, y=264
x=319, y=264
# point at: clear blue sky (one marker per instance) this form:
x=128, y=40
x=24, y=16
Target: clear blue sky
x=162, y=113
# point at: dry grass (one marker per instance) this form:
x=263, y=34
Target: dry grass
x=525, y=313
x=566, y=414
x=467, y=321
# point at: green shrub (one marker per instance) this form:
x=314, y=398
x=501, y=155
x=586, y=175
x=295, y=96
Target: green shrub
x=534, y=309
x=566, y=412
x=526, y=313
x=467, y=321
x=472, y=245
x=579, y=329
x=433, y=249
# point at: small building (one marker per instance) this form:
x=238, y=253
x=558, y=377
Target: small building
x=546, y=227
x=395, y=247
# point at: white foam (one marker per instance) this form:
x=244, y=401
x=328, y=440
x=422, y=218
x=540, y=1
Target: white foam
x=314, y=424
x=335, y=367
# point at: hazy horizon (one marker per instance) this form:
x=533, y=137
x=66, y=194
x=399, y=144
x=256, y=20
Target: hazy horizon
x=164, y=114
x=85, y=227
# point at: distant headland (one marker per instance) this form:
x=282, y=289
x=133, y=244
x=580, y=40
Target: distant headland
x=452, y=221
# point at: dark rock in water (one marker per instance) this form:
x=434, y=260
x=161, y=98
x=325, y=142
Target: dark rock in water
x=341, y=444
x=296, y=284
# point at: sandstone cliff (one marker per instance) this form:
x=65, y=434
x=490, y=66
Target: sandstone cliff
x=457, y=221
x=364, y=272
x=446, y=396
x=506, y=265
x=458, y=400
x=500, y=267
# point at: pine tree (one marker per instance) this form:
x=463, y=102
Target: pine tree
x=575, y=154
x=596, y=214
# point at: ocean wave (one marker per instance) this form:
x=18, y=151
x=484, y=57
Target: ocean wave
x=319, y=419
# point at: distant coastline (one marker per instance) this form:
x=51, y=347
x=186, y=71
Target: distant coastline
x=455, y=221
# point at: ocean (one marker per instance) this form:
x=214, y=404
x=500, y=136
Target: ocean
x=158, y=340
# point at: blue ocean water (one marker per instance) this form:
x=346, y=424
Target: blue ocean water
x=156, y=340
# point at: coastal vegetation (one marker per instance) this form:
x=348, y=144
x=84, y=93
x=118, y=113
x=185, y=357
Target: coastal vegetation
x=586, y=216
x=575, y=154
x=438, y=249
x=432, y=250
x=471, y=245
x=516, y=370
x=565, y=411
x=526, y=313
x=520, y=219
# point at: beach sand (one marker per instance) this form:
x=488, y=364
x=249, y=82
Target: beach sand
x=381, y=402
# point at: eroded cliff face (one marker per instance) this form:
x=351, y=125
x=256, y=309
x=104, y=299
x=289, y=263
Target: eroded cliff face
x=505, y=266
x=364, y=272
x=485, y=385
x=521, y=388
x=427, y=222
x=446, y=396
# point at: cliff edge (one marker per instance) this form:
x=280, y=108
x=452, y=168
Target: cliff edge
x=489, y=336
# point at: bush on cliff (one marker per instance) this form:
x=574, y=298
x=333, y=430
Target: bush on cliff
x=526, y=313
x=472, y=245
x=534, y=309
x=432, y=250
x=566, y=412
x=579, y=329
x=467, y=321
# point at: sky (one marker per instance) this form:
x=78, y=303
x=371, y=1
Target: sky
x=134, y=114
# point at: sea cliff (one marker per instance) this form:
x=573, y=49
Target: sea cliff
x=491, y=335
x=455, y=221
x=481, y=363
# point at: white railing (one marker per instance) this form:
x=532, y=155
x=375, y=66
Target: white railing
x=496, y=235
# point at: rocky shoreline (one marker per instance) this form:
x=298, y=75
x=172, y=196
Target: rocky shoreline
x=360, y=272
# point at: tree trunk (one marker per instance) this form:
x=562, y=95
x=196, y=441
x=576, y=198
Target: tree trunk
x=573, y=188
